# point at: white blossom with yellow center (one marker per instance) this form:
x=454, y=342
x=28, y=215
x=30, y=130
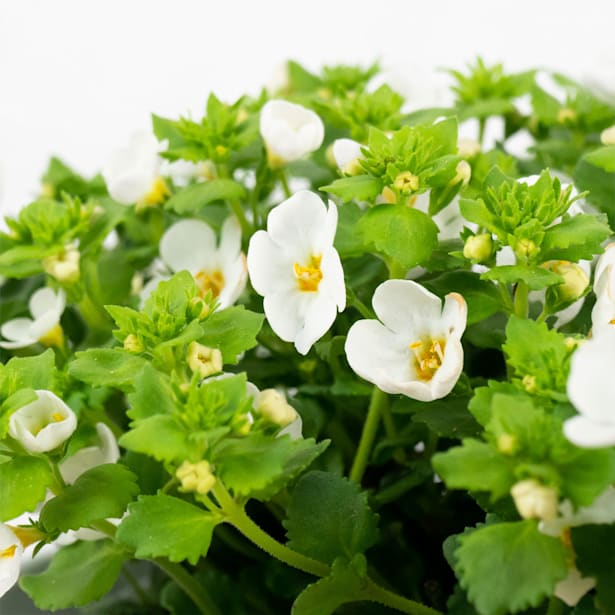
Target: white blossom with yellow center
x=132, y=173
x=289, y=131
x=295, y=267
x=416, y=348
x=603, y=312
x=11, y=551
x=46, y=307
x=43, y=424
x=347, y=154
x=591, y=390
x=219, y=269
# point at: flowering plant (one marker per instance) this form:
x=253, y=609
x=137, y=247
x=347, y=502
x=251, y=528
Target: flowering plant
x=316, y=352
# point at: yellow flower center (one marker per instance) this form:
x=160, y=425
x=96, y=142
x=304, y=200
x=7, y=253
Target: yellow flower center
x=53, y=337
x=9, y=552
x=156, y=195
x=209, y=281
x=308, y=276
x=427, y=357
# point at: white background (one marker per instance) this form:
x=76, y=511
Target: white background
x=78, y=76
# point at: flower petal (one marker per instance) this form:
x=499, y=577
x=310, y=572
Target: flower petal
x=189, y=244
x=230, y=240
x=586, y=433
x=320, y=312
x=270, y=268
x=19, y=333
x=346, y=151
x=47, y=300
x=9, y=565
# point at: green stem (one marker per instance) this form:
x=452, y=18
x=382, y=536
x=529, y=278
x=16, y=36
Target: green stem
x=132, y=581
x=284, y=182
x=520, y=303
x=238, y=518
x=370, y=428
x=482, y=123
x=356, y=303
x=505, y=295
x=246, y=228
x=195, y=591
x=376, y=593
x=396, y=271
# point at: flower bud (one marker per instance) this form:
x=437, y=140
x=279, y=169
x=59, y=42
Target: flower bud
x=463, y=172
x=566, y=115
x=273, y=406
x=199, y=308
x=607, y=136
x=406, y=182
x=132, y=343
x=575, y=281
x=533, y=500
x=478, y=248
x=347, y=154
x=63, y=266
x=196, y=477
x=529, y=383
x=43, y=424
x=203, y=360
x=507, y=444
x=525, y=248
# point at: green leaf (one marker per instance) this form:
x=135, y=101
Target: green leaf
x=23, y=484
x=300, y=79
x=475, y=466
x=191, y=199
x=603, y=158
x=347, y=242
x=535, y=277
x=232, y=330
x=160, y=436
x=153, y=395
x=22, y=261
x=28, y=373
x=79, y=574
x=329, y=517
x=164, y=526
x=406, y=235
x=100, y=493
x=575, y=238
x=107, y=367
x=345, y=584
x=509, y=567
x=601, y=186
x=595, y=557
x=359, y=187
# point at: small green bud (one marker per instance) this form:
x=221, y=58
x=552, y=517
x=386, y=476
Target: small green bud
x=525, y=249
x=566, y=115
x=478, y=248
x=196, y=477
x=203, y=360
x=507, y=444
x=272, y=405
x=63, y=266
x=463, y=173
x=132, y=343
x=575, y=281
x=529, y=383
x=607, y=136
x=533, y=500
x=406, y=182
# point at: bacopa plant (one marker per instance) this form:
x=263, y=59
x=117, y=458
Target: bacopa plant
x=315, y=354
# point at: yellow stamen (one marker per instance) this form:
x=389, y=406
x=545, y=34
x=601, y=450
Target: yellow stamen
x=9, y=552
x=427, y=357
x=612, y=321
x=53, y=337
x=156, y=195
x=310, y=275
x=57, y=417
x=209, y=282
x=27, y=535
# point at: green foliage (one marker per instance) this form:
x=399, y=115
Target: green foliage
x=508, y=567
x=99, y=493
x=164, y=526
x=329, y=517
x=23, y=484
x=191, y=199
x=78, y=574
x=107, y=367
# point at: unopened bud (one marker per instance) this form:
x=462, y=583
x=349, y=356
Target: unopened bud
x=468, y=148
x=198, y=308
x=478, y=248
x=203, y=360
x=463, y=173
x=507, y=444
x=136, y=284
x=575, y=281
x=48, y=190
x=63, y=266
x=132, y=343
x=406, y=182
x=607, y=136
x=273, y=406
x=566, y=115
x=534, y=501
x=196, y=477
x=529, y=383
x=526, y=248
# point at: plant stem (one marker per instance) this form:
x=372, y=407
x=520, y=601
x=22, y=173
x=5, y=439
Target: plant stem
x=505, y=295
x=132, y=581
x=396, y=271
x=376, y=593
x=370, y=428
x=521, y=293
x=555, y=606
x=238, y=518
x=246, y=229
x=356, y=303
x=482, y=124
x=195, y=591
x=284, y=182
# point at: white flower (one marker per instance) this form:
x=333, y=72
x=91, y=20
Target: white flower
x=607, y=136
x=416, y=349
x=534, y=500
x=43, y=424
x=347, y=154
x=64, y=266
x=289, y=131
x=132, y=173
x=105, y=451
x=191, y=245
x=11, y=551
x=182, y=172
x=295, y=267
x=591, y=390
x=46, y=307
x=603, y=312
